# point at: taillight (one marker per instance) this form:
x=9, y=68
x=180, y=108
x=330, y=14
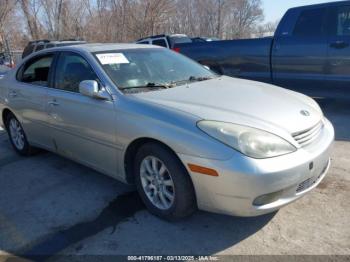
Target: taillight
x=176, y=49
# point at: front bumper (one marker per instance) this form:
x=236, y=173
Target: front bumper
x=242, y=179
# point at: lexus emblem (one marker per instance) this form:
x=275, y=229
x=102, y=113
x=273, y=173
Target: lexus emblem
x=305, y=113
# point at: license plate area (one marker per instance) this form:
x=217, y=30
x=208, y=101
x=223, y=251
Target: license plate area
x=311, y=181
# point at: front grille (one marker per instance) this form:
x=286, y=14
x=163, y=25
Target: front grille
x=307, y=136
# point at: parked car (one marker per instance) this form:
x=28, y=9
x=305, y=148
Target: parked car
x=167, y=41
x=184, y=135
x=35, y=46
x=310, y=48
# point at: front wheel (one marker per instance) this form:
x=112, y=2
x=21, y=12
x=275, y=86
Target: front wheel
x=163, y=183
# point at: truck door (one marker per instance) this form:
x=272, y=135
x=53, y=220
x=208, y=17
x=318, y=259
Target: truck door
x=299, y=52
x=338, y=66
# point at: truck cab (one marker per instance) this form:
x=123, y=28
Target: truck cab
x=312, y=47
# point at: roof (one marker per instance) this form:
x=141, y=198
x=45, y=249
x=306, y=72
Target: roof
x=335, y=3
x=45, y=41
x=163, y=35
x=98, y=47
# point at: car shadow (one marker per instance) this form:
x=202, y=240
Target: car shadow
x=337, y=110
x=49, y=204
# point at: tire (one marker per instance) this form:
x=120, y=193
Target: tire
x=171, y=187
x=18, y=137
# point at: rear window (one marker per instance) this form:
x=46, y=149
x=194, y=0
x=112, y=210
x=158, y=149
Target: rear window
x=180, y=40
x=310, y=23
x=39, y=47
x=28, y=50
x=159, y=42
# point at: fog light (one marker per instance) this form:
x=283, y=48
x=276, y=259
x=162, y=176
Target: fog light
x=267, y=199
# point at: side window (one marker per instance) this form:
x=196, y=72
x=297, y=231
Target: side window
x=342, y=27
x=144, y=43
x=71, y=70
x=39, y=47
x=50, y=45
x=159, y=42
x=28, y=50
x=36, y=71
x=310, y=23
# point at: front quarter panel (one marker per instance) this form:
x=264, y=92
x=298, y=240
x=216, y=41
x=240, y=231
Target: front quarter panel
x=139, y=119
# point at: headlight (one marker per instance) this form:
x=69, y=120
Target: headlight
x=252, y=142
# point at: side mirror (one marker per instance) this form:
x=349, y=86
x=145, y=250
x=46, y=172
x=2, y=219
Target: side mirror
x=90, y=88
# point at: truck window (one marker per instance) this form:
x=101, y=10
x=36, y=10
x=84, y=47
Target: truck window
x=310, y=23
x=39, y=47
x=159, y=42
x=342, y=26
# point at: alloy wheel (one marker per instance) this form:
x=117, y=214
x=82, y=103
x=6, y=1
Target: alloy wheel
x=157, y=182
x=17, y=134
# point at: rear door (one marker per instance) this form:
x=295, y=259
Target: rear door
x=83, y=128
x=27, y=98
x=299, y=54
x=338, y=66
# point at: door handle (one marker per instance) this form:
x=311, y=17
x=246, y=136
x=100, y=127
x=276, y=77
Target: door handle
x=339, y=44
x=53, y=103
x=13, y=94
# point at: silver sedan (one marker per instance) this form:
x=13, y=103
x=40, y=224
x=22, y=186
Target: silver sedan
x=186, y=137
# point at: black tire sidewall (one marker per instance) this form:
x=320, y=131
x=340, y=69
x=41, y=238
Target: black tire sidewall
x=185, y=201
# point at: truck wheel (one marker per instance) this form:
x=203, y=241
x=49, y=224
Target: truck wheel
x=163, y=183
x=17, y=136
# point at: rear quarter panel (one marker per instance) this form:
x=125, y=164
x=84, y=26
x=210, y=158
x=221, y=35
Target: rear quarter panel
x=3, y=91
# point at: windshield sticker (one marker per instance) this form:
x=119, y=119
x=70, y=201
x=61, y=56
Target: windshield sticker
x=112, y=58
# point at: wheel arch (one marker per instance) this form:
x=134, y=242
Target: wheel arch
x=133, y=147
x=5, y=113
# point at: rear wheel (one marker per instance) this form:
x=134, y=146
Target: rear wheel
x=163, y=183
x=17, y=136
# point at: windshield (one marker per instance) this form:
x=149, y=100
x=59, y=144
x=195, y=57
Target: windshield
x=150, y=68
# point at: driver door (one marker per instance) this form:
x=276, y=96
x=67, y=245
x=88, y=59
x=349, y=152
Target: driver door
x=83, y=128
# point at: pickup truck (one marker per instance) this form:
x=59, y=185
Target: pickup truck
x=310, y=49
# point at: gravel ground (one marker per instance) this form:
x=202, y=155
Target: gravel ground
x=50, y=205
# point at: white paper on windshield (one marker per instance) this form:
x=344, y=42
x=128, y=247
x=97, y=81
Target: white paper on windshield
x=112, y=58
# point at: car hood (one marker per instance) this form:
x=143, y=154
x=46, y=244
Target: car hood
x=242, y=102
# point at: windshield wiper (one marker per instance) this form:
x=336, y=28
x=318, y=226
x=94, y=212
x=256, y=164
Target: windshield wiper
x=201, y=78
x=148, y=85
x=192, y=79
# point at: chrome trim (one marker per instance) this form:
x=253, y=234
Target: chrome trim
x=307, y=136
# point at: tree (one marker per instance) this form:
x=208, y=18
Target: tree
x=31, y=9
x=128, y=20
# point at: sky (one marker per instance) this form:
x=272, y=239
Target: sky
x=275, y=9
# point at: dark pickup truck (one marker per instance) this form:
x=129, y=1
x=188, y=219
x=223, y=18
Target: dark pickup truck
x=310, y=49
